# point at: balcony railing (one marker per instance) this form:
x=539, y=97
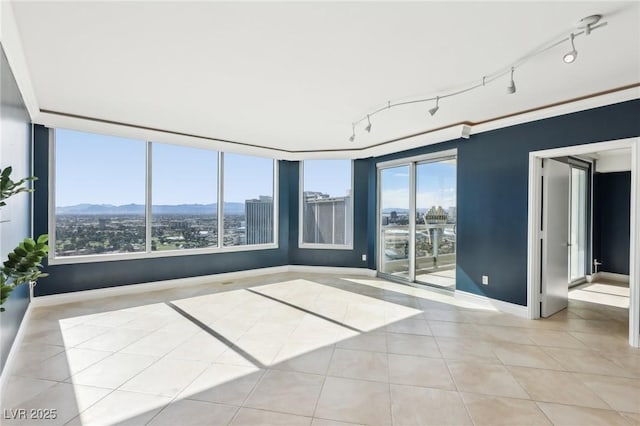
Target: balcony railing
x=435, y=248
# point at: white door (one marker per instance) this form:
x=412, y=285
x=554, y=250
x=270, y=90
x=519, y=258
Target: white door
x=555, y=243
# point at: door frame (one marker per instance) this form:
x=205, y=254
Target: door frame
x=411, y=162
x=588, y=167
x=534, y=220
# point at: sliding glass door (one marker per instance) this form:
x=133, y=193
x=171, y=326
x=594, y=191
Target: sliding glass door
x=394, y=221
x=436, y=223
x=417, y=219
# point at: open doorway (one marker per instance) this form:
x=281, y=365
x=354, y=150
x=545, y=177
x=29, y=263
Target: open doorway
x=565, y=250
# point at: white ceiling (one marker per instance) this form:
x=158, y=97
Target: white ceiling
x=294, y=76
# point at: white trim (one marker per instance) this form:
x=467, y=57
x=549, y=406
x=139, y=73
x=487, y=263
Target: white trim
x=275, y=225
x=450, y=133
x=634, y=249
x=51, y=199
x=12, y=45
x=533, y=247
x=554, y=111
x=94, y=258
x=148, y=253
x=534, y=235
x=301, y=243
x=432, y=156
x=220, y=201
x=80, y=296
x=411, y=162
x=123, y=290
x=502, y=306
x=148, y=202
x=15, y=347
x=413, y=183
x=334, y=270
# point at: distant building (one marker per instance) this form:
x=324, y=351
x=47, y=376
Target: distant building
x=327, y=220
x=259, y=220
x=451, y=213
x=436, y=215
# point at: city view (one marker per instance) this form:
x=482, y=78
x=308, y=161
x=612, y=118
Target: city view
x=103, y=229
x=435, y=232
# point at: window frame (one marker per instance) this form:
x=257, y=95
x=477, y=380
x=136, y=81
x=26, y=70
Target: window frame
x=148, y=253
x=301, y=243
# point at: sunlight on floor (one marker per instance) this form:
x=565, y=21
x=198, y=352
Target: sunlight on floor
x=603, y=293
x=283, y=347
x=426, y=294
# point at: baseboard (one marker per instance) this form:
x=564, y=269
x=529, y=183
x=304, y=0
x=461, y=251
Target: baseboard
x=611, y=276
x=80, y=296
x=13, y=352
x=334, y=270
x=506, y=307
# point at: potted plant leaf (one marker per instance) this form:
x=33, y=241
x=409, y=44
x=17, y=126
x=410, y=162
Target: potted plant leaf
x=23, y=263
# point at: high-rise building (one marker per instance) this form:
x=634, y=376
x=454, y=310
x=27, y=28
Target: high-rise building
x=259, y=220
x=327, y=220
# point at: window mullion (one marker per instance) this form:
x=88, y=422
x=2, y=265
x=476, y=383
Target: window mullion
x=220, y=199
x=148, y=201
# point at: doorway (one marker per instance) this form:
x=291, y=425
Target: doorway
x=553, y=261
x=417, y=220
x=565, y=207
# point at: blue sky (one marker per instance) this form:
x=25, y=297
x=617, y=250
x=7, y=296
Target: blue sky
x=332, y=177
x=100, y=169
x=436, y=185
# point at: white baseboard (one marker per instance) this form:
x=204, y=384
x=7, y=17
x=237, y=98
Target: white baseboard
x=13, y=352
x=611, y=276
x=506, y=307
x=336, y=270
x=80, y=296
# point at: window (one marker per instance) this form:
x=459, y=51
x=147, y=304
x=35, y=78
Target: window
x=116, y=197
x=184, y=199
x=327, y=206
x=248, y=200
x=99, y=194
x=417, y=219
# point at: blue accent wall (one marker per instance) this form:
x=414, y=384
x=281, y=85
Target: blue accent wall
x=611, y=221
x=493, y=170
x=15, y=152
x=492, y=211
x=88, y=276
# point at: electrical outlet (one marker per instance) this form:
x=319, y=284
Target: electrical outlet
x=364, y=257
x=485, y=279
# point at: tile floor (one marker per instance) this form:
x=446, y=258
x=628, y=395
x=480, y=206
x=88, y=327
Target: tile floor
x=289, y=349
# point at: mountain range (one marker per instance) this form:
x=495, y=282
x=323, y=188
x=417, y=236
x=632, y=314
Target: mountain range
x=138, y=209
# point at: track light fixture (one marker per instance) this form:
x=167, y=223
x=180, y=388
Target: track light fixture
x=571, y=56
x=435, y=109
x=368, y=128
x=511, y=88
x=588, y=23
x=584, y=27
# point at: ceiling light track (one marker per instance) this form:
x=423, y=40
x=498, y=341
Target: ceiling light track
x=584, y=27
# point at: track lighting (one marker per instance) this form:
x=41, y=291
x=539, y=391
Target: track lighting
x=584, y=27
x=588, y=23
x=435, y=109
x=571, y=56
x=353, y=133
x=511, y=88
x=368, y=128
